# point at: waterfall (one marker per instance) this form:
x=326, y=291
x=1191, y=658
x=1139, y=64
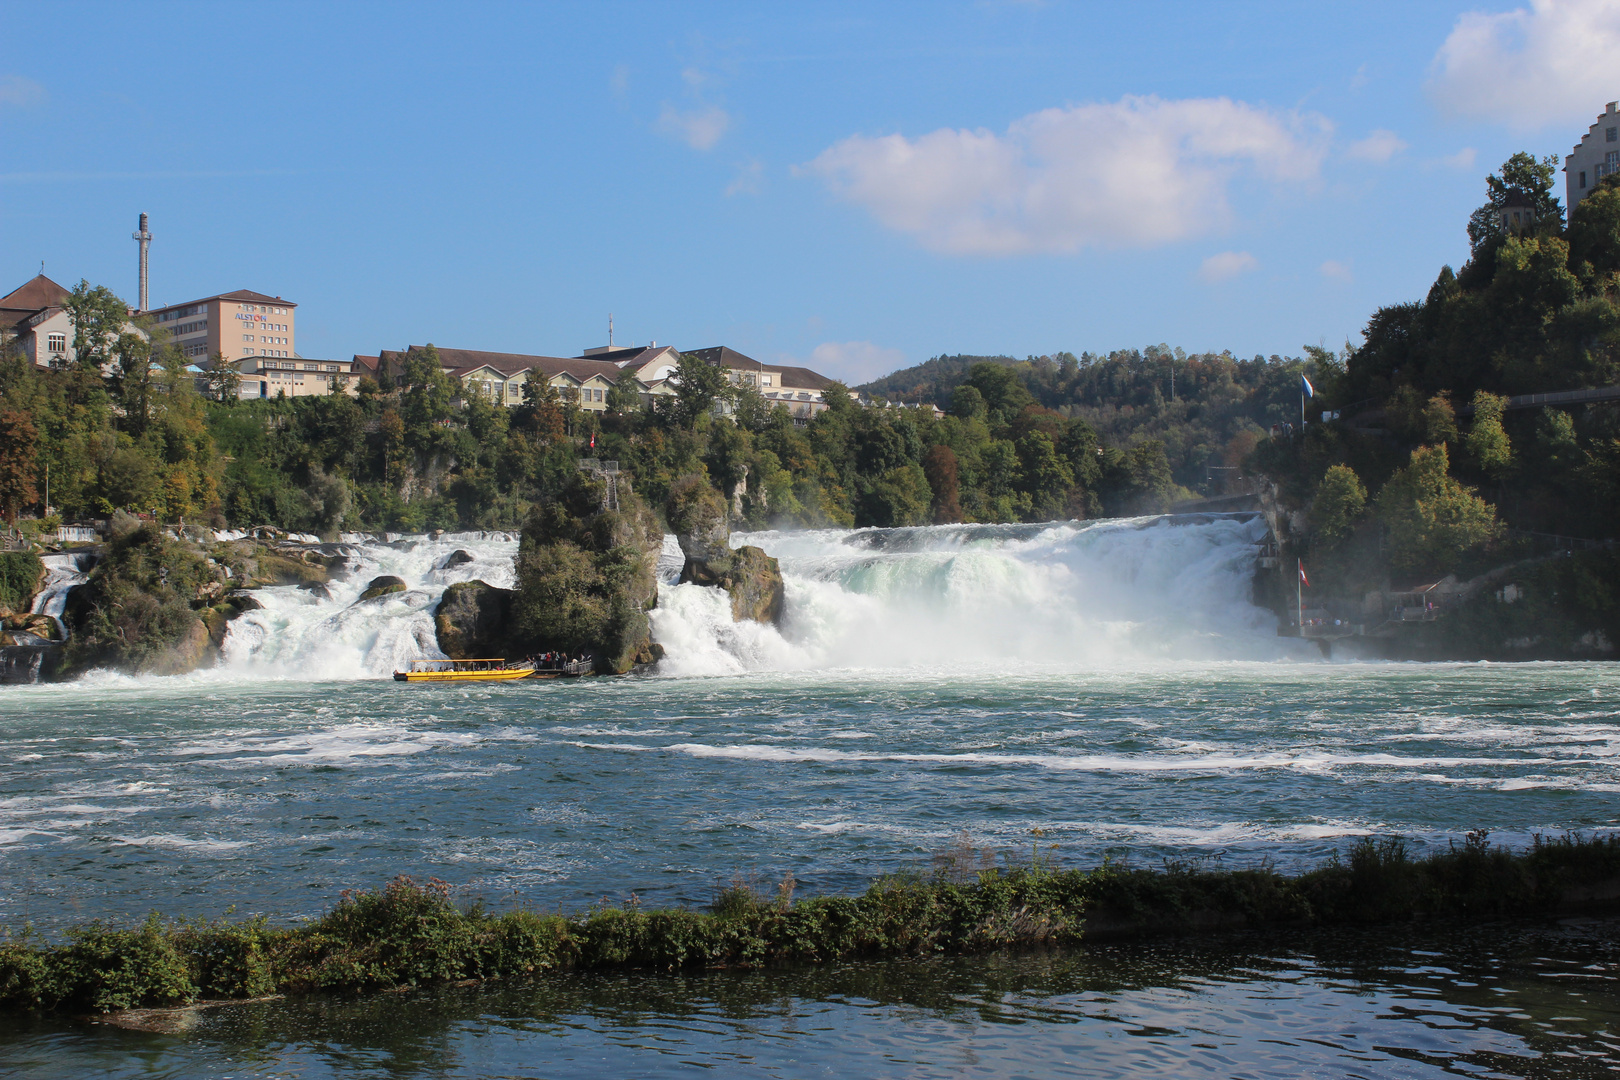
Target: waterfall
x=62, y=574
x=328, y=632
x=944, y=597
x=947, y=597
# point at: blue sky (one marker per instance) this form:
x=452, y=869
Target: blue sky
x=855, y=187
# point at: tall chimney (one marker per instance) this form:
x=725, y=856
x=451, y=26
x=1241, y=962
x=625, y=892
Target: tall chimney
x=145, y=238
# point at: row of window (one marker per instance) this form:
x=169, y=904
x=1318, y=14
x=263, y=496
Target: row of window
x=180, y=313
x=257, y=309
x=246, y=351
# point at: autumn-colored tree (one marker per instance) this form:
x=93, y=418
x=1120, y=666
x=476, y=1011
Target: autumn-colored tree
x=19, y=444
x=1487, y=442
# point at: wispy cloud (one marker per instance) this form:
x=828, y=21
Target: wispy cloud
x=698, y=128
x=1336, y=270
x=1462, y=159
x=1377, y=147
x=1226, y=266
x=1551, y=63
x=20, y=92
x=750, y=175
x=855, y=361
x=1133, y=173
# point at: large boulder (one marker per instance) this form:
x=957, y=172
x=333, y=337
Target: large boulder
x=697, y=515
x=382, y=586
x=472, y=621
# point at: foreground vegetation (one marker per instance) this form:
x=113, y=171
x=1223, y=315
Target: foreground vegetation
x=408, y=935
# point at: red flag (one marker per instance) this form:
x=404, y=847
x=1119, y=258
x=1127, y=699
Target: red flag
x=1303, y=579
x=593, y=440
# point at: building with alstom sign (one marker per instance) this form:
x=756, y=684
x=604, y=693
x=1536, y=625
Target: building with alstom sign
x=235, y=325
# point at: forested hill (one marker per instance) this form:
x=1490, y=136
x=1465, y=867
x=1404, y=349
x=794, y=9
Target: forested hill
x=1211, y=418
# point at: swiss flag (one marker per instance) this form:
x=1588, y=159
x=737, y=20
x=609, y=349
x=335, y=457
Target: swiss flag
x=593, y=440
x=1302, y=578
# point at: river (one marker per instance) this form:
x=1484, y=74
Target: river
x=1109, y=685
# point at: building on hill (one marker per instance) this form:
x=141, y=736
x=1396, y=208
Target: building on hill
x=269, y=377
x=798, y=389
x=235, y=325
x=501, y=376
x=33, y=320
x=1597, y=155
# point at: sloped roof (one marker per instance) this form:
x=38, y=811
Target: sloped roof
x=246, y=296
x=41, y=292
x=798, y=377
x=726, y=357
x=509, y=364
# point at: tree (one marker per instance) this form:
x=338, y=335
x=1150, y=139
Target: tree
x=19, y=446
x=941, y=468
x=624, y=396
x=1440, y=419
x=1487, y=441
x=698, y=385
x=224, y=381
x=1432, y=518
x=1521, y=175
x=1594, y=230
x=426, y=397
x=1339, y=500
x=98, y=318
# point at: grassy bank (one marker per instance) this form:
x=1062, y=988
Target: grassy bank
x=407, y=934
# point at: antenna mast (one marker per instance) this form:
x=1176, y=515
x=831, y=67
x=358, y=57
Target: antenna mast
x=610, y=329
x=144, y=236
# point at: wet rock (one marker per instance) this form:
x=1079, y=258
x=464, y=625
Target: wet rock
x=383, y=586
x=697, y=515
x=472, y=621
x=458, y=557
x=196, y=649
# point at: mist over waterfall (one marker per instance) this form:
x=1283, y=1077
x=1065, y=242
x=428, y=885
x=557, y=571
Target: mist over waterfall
x=1067, y=593
x=328, y=632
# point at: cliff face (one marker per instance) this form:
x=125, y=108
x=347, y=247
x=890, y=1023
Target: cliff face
x=587, y=577
x=697, y=514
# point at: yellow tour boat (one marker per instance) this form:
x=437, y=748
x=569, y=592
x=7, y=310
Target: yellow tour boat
x=493, y=670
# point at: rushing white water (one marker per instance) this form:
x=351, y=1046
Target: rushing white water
x=330, y=633
x=965, y=596
x=62, y=573
x=1065, y=593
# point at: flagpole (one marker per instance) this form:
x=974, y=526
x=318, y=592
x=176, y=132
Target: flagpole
x=1299, y=594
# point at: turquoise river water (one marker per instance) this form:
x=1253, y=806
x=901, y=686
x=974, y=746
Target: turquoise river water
x=1110, y=686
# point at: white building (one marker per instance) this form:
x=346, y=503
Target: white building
x=1597, y=155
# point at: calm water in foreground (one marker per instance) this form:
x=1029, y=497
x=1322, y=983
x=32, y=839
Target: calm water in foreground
x=193, y=795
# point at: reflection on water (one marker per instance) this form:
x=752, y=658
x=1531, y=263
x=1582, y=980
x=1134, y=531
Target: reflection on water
x=1520, y=1002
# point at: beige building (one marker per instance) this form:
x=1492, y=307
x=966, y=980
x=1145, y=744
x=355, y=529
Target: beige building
x=236, y=325
x=1597, y=155
x=270, y=377
x=501, y=376
x=795, y=388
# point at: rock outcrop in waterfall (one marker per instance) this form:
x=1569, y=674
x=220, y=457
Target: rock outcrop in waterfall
x=586, y=576
x=697, y=516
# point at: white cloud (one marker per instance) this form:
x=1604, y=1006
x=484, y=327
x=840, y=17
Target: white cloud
x=1132, y=173
x=19, y=91
x=1226, y=266
x=750, y=175
x=1553, y=63
x=1377, y=147
x=855, y=361
x=1335, y=269
x=1462, y=159
x=699, y=128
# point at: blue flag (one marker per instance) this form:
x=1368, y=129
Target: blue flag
x=1306, y=388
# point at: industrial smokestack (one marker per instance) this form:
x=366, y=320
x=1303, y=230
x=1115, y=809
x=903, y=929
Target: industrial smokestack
x=144, y=235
